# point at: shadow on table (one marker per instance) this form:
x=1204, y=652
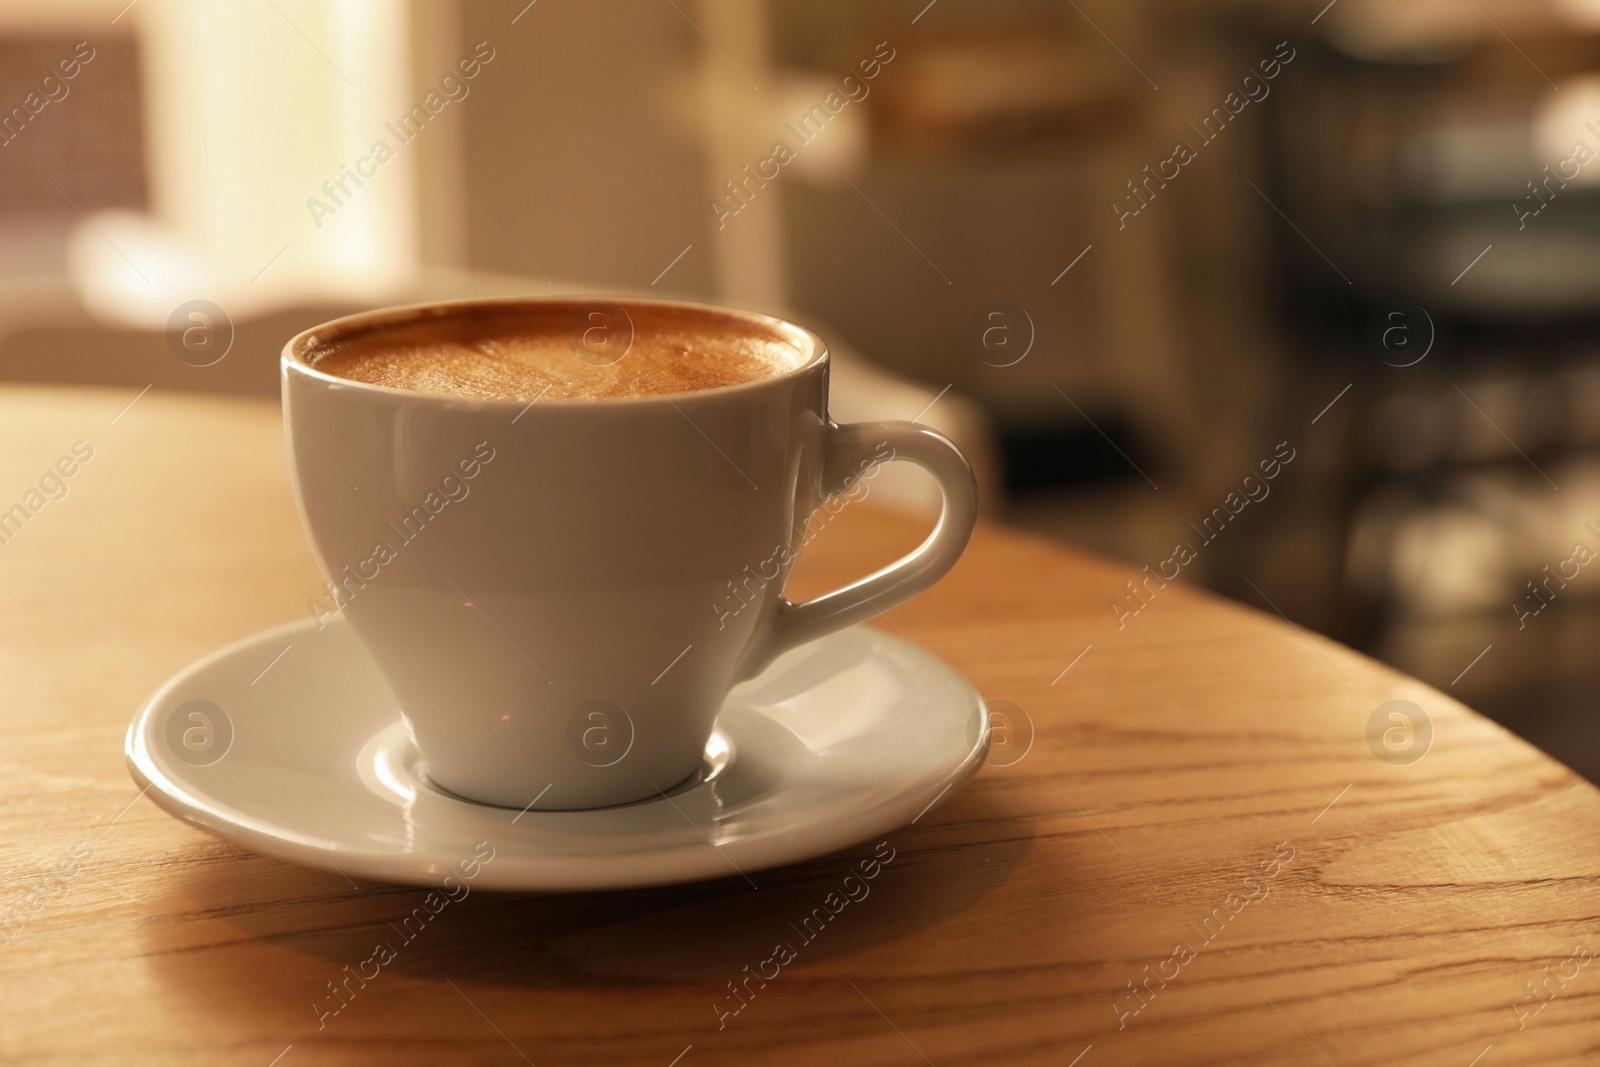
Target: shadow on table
x=678, y=935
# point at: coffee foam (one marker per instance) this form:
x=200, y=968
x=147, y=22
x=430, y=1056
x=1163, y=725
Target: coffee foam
x=530, y=351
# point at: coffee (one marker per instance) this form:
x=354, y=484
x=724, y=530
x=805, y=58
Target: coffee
x=558, y=352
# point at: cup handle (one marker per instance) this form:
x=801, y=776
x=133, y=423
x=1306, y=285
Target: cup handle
x=845, y=448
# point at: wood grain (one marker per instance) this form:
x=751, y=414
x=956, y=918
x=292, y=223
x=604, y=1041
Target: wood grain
x=1178, y=757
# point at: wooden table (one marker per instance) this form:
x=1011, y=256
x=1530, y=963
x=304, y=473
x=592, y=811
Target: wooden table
x=1200, y=778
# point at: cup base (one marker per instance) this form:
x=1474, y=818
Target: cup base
x=716, y=758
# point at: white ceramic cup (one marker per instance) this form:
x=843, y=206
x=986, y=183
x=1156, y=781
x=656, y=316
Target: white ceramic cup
x=562, y=593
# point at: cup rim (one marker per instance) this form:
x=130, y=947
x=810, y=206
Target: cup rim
x=293, y=359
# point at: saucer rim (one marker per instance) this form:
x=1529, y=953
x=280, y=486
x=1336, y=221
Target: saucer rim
x=534, y=872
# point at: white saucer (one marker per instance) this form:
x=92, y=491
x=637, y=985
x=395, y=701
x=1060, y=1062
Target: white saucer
x=304, y=756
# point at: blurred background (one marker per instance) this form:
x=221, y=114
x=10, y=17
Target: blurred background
x=1307, y=287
